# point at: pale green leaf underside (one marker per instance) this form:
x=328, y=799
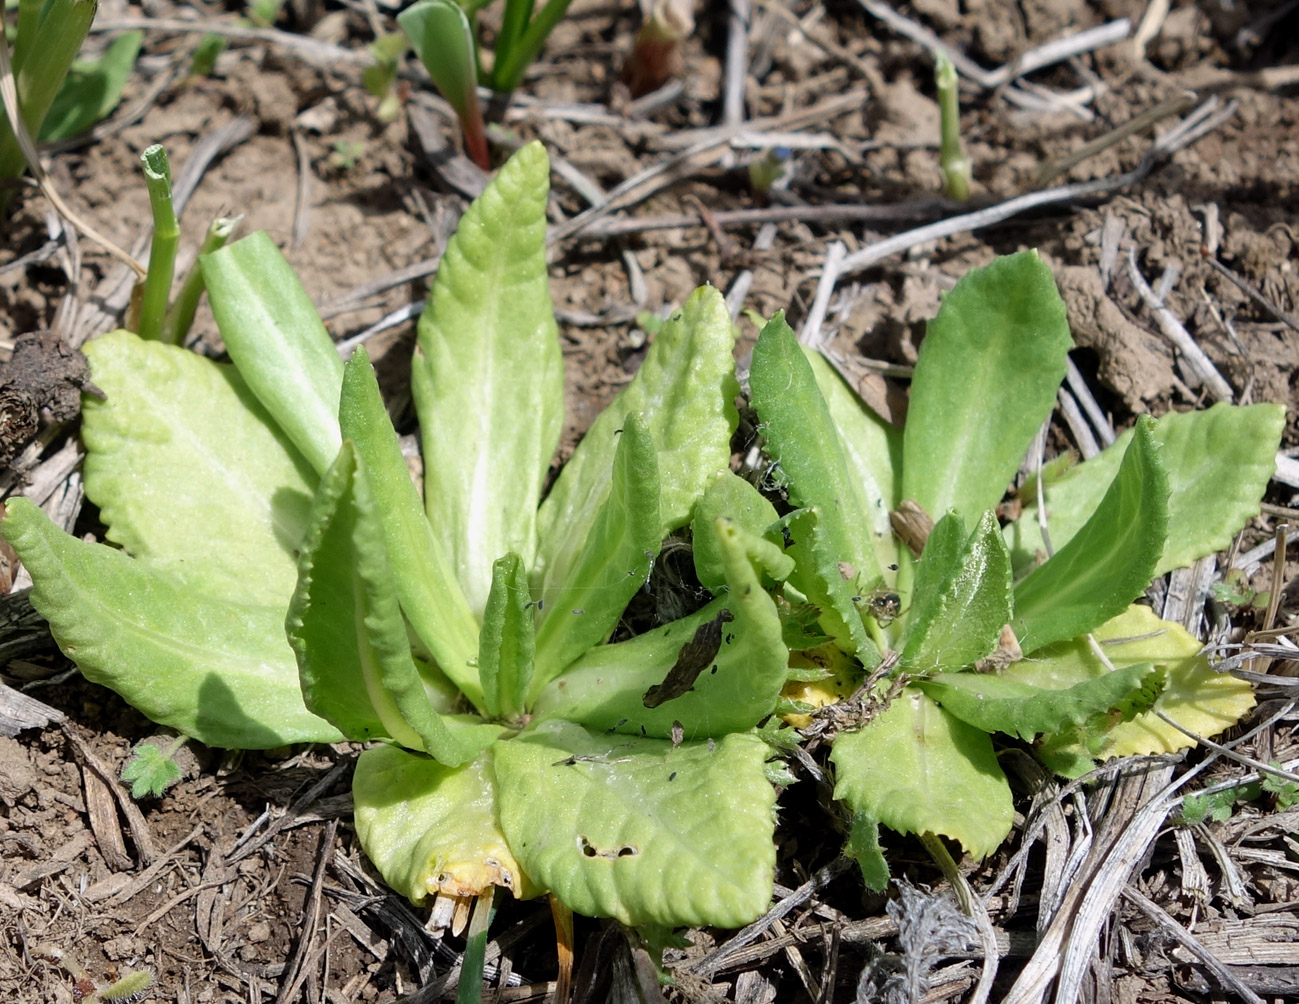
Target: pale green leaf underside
x=189, y=472
x=615, y=560
x=1195, y=696
x=488, y=377
x=999, y=704
x=648, y=834
x=605, y=689
x=685, y=391
x=345, y=625
x=918, y=769
x=800, y=435
x=430, y=828
x=430, y=594
x=220, y=672
x=962, y=619
x=276, y=340
x=1219, y=462
x=1111, y=559
x=986, y=378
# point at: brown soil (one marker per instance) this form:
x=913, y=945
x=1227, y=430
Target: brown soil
x=244, y=882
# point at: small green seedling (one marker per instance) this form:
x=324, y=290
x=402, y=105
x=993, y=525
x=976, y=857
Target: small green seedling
x=988, y=629
x=447, y=45
x=346, y=153
x=380, y=79
x=92, y=89
x=131, y=987
x=767, y=169
x=151, y=769
x=954, y=163
x=206, y=53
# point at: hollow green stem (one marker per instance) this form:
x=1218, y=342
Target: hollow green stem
x=951, y=155
x=180, y=315
x=162, y=251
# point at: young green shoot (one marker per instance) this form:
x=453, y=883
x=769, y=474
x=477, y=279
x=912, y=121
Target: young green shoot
x=521, y=38
x=92, y=89
x=442, y=36
x=380, y=79
x=655, y=57
x=205, y=56
x=131, y=987
x=151, y=769
x=766, y=170
x=954, y=163
x=180, y=315
x=162, y=251
x=47, y=43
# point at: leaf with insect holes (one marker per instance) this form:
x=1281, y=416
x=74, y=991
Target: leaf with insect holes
x=607, y=687
x=650, y=833
x=1218, y=462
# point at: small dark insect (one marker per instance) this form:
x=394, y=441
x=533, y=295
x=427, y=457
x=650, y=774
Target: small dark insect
x=695, y=656
x=881, y=604
x=672, y=776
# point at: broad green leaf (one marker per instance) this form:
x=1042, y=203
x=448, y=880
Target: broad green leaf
x=427, y=587
x=190, y=473
x=989, y=368
x=430, y=828
x=733, y=690
x=346, y=628
x=277, y=342
x=873, y=449
x=685, y=391
x=962, y=615
x=726, y=496
x=863, y=846
x=488, y=378
x=91, y=89
x=212, y=669
x=940, y=561
x=614, y=562
x=1199, y=699
x=650, y=834
x=996, y=703
x=918, y=769
x=828, y=583
x=1219, y=462
x=800, y=436
x=508, y=642
x=1108, y=562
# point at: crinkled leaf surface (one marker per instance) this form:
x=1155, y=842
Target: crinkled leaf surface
x=873, y=449
x=346, y=628
x=1195, y=696
x=800, y=435
x=190, y=473
x=426, y=585
x=648, y=834
x=218, y=671
x=958, y=619
x=1219, y=462
x=606, y=688
x=987, y=375
x=488, y=378
x=507, y=645
x=997, y=703
x=277, y=342
x=685, y=391
x=1108, y=562
x=726, y=496
x=614, y=561
x=829, y=583
x=918, y=769
x=430, y=828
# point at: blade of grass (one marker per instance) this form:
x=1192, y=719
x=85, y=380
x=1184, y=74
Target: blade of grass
x=514, y=23
x=470, y=988
x=510, y=66
x=162, y=250
x=180, y=315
